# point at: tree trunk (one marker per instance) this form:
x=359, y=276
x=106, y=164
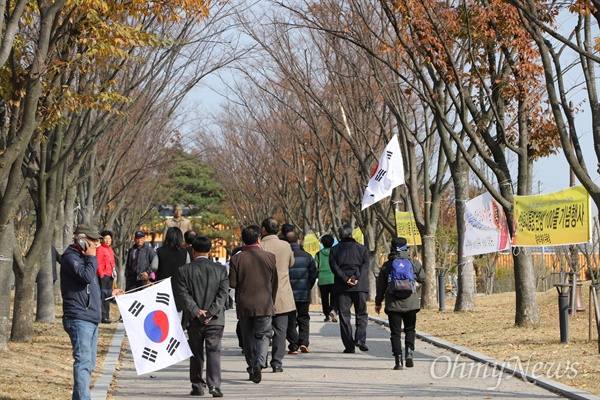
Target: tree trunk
x=465, y=297
x=45, y=289
x=526, y=295
x=6, y=278
x=429, y=292
x=60, y=246
x=22, y=326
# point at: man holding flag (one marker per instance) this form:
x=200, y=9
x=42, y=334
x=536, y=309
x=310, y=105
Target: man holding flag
x=204, y=288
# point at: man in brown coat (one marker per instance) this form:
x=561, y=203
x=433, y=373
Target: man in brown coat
x=253, y=275
x=284, y=302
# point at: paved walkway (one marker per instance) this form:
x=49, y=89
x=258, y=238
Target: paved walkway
x=327, y=373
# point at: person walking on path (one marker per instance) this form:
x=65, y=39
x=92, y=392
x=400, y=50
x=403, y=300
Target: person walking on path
x=325, y=279
x=349, y=262
x=203, y=286
x=106, y=269
x=401, y=309
x=284, y=302
x=171, y=256
x=253, y=275
x=82, y=303
x=303, y=275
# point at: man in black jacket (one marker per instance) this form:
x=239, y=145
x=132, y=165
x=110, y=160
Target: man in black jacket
x=82, y=305
x=349, y=262
x=139, y=265
x=204, y=287
x=303, y=275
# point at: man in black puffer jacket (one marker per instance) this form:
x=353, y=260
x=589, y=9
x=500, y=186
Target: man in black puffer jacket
x=303, y=275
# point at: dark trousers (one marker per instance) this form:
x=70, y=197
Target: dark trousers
x=345, y=301
x=328, y=299
x=256, y=333
x=396, y=320
x=278, y=350
x=211, y=337
x=298, y=328
x=106, y=282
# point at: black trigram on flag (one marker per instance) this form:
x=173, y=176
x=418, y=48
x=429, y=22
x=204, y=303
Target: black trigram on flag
x=389, y=154
x=380, y=174
x=172, y=346
x=149, y=354
x=162, y=298
x=136, y=308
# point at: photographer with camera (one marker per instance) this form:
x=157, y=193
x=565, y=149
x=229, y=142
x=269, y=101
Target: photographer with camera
x=82, y=304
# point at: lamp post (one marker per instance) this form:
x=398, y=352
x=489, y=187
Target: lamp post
x=441, y=275
x=563, y=310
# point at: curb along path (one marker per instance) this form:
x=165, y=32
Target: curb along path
x=327, y=373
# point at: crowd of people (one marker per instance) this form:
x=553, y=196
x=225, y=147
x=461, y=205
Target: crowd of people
x=272, y=278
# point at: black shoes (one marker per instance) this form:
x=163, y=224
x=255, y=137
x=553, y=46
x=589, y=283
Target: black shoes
x=409, y=358
x=107, y=321
x=349, y=351
x=215, y=391
x=256, y=375
x=362, y=345
x=398, y=358
x=196, y=392
x=277, y=369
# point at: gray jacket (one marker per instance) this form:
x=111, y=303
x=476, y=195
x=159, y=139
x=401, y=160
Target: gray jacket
x=392, y=302
x=203, y=285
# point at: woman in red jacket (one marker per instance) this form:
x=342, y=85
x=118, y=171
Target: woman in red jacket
x=106, y=269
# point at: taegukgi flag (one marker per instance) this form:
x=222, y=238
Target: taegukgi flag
x=388, y=174
x=155, y=334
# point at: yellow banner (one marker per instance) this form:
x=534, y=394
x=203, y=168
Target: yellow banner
x=311, y=244
x=553, y=219
x=407, y=228
x=358, y=236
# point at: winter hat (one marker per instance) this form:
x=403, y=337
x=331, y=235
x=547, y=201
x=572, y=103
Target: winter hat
x=398, y=244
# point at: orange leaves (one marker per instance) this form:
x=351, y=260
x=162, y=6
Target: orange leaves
x=583, y=7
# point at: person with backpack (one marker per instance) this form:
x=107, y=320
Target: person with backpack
x=325, y=280
x=396, y=283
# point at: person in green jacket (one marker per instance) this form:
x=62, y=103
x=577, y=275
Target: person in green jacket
x=325, y=279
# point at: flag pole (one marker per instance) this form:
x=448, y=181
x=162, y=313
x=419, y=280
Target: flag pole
x=137, y=288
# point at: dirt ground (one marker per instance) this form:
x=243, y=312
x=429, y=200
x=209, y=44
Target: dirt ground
x=43, y=369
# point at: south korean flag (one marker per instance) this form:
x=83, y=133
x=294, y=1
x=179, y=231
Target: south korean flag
x=155, y=334
x=388, y=174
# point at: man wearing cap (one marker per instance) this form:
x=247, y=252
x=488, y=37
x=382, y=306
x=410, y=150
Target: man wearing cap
x=82, y=300
x=400, y=309
x=139, y=264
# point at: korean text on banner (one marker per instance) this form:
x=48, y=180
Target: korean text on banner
x=407, y=228
x=155, y=334
x=311, y=244
x=388, y=174
x=558, y=218
x=486, y=227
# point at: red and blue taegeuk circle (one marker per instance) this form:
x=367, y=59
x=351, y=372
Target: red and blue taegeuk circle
x=156, y=326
